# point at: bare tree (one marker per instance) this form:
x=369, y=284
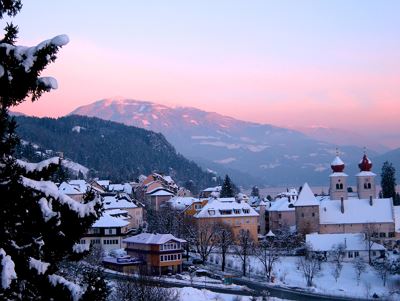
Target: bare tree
x=203, y=236
x=225, y=239
x=359, y=267
x=337, y=255
x=370, y=234
x=382, y=267
x=142, y=288
x=309, y=266
x=268, y=255
x=244, y=247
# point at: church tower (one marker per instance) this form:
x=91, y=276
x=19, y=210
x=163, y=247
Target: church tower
x=338, y=180
x=366, y=180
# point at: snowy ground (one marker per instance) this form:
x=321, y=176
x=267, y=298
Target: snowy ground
x=193, y=294
x=286, y=273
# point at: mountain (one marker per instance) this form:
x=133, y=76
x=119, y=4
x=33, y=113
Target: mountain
x=342, y=137
x=266, y=154
x=111, y=150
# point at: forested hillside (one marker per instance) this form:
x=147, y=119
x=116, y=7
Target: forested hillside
x=111, y=150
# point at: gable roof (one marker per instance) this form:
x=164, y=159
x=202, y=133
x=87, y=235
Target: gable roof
x=108, y=221
x=306, y=197
x=152, y=239
x=113, y=202
x=226, y=204
x=351, y=242
x=356, y=211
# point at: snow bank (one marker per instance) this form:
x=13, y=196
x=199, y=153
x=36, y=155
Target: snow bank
x=8, y=272
x=50, y=189
x=75, y=289
x=39, y=266
x=31, y=167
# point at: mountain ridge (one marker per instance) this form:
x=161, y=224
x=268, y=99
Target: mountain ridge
x=272, y=155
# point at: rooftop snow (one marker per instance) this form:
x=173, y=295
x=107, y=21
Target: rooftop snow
x=366, y=174
x=113, y=202
x=180, y=203
x=226, y=204
x=356, y=211
x=351, y=241
x=108, y=221
x=337, y=161
x=306, y=197
x=338, y=174
x=152, y=239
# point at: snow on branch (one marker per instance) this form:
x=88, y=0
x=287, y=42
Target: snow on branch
x=47, y=210
x=39, y=266
x=50, y=189
x=28, y=55
x=32, y=167
x=47, y=82
x=75, y=289
x=8, y=272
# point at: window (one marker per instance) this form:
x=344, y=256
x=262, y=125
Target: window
x=246, y=211
x=391, y=234
x=236, y=211
x=82, y=242
x=373, y=253
x=94, y=231
x=356, y=254
x=302, y=215
x=350, y=254
x=369, y=185
x=382, y=234
x=95, y=241
x=211, y=212
x=279, y=215
x=313, y=214
x=111, y=231
x=197, y=206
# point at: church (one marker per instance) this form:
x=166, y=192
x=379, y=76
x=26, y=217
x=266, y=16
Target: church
x=344, y=212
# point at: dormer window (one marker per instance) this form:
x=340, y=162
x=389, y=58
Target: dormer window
x=211, y=212
x=225, y=212
x=246, y=211
x=236, y=211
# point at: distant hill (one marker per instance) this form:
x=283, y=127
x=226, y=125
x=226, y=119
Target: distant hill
x=250, y=152
x=111, y=150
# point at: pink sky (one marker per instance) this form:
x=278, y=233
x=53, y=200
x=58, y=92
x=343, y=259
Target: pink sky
x=327, y=65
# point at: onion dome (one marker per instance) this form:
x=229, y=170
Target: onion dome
x=337, y=164
x=365, y=164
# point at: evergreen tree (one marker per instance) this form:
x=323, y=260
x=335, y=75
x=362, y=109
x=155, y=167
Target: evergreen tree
x=388, y=181
x=227, y=188
x=255, y=191
x=39, y=227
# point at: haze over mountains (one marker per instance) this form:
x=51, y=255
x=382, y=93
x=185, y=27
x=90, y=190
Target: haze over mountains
x=252, y=153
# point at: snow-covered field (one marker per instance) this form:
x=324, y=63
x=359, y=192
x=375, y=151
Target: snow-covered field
x=194, y=294
x=286, y=273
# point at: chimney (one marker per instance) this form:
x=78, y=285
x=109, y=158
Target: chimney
x=370, y=200
x=342, y=204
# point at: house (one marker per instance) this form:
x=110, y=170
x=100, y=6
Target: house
x=354, y=245
x=108, y=231
x=239, y=215
x=123, y=264
x=158, y=196
x=162, y=253
x=76, y=189
x=281, y=212
x=211, y=192
x=124, y=202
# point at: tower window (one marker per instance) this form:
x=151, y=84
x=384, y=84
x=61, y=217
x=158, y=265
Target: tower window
x=369, y=185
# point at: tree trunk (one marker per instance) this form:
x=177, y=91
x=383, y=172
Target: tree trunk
x=223, y=254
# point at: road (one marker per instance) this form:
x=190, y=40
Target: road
x=254, y=289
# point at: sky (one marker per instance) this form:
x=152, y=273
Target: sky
x=287, y=63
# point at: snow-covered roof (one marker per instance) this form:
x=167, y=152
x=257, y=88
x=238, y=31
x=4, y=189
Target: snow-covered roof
x=338, y=174
x=270, y=234
x=366, y=174
x=152, y=239
x=114, y=212
x=67, y=188
x=306, y=197
x=281, y=204
x=337, y=161
x=356, y=211
x=180, y=203
x=103, y=183
x=162, y=192
x=226, y=207
x=351, y=242
x=108, y=221
x=113, y=202
x=211, y=189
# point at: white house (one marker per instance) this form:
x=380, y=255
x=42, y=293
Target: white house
x=354, y=245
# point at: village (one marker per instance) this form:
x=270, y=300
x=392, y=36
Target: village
x=155, y=227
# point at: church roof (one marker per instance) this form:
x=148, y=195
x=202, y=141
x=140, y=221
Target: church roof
x=306, y=197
